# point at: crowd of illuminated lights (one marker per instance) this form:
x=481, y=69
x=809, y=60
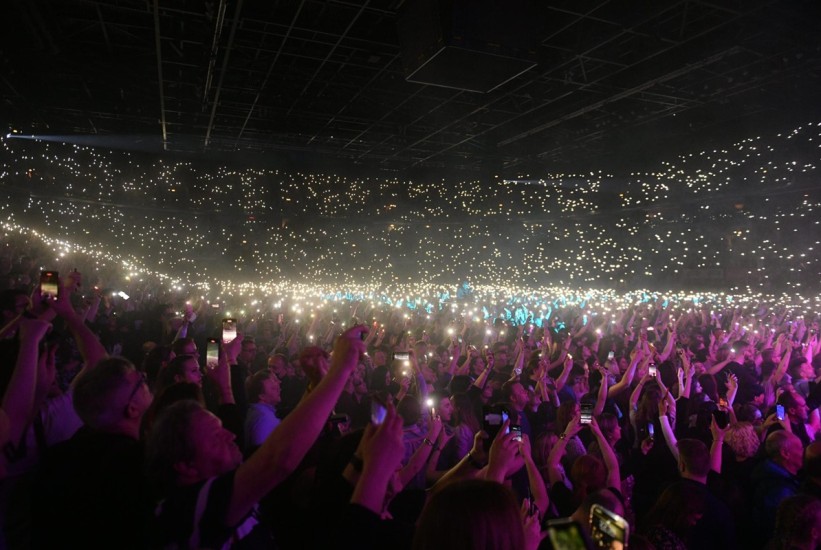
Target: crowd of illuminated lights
x=749, y=210
x=485, y=303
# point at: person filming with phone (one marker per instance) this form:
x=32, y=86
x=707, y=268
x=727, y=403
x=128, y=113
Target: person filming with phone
x=210, y=494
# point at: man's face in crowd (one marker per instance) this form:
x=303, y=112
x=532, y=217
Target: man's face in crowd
x=359, y=386
x=249, y=352
x=518, y=397
x=271, y=393
x=277, y=365
x=800, y=412
x=445, y=410
x=501, y=357
x=216, y=452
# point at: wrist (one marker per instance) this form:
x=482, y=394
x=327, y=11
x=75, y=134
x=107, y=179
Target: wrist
x=473, y=461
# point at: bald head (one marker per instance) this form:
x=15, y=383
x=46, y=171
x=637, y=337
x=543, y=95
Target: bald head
x=785, y=449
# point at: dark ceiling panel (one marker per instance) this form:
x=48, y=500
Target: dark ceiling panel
x=617, y=81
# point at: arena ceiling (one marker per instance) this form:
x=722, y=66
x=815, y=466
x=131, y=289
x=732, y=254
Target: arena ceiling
x=612, y=84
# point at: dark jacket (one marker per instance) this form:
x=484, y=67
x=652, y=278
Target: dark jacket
x=771, y=484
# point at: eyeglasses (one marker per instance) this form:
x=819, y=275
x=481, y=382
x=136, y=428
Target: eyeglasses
x=143, y=379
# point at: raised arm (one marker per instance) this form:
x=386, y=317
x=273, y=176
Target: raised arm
x=717, y=445
x=668, y=347
x=626, y=378
x=562, y=379
x=284, y=449
x=667, y=429
x=610, y=460
x=88, y=344
x=536, y=483
x=554, y=472
x=18, y=401
x=381, y=453
x=423, y=453
x=601, y=397
x=779, y=372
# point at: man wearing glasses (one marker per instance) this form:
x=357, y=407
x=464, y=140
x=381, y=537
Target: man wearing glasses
x=91, y=490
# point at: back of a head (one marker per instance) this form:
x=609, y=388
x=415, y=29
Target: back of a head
x=470, y=515
x=410, y=410
x=743, y=440
x=178, y=346
x=588, y=474
x=798, y=522
x=694, y=456
x=775, y=442
x=99, y=393
x=169, y=373
x=678, y=506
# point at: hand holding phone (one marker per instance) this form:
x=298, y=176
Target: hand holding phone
x=229, y=330
x=212, y=354
x=586, y=413
x=49, y=285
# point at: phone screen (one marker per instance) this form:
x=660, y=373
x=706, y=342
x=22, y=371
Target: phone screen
x=611, y=355
x=653, y=371
x=229, y=330
x=378, y=412
x=517, y=433
x=608, y=530
x=779, y=412
x=401, y=356
x=212, y=353
x=586, y=413
x=566, y=534
x=49, y=284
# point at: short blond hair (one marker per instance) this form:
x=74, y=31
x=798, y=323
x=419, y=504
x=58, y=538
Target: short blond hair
x=742, y=439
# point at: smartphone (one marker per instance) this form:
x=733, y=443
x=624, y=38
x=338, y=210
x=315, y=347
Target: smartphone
x=722, y=403
x=229, y=330
x=779, y=412
x=567, y=534
x=651, y=431
x=517, y=432
x=493, y=416
x=586, y=413
x=608, y=530
x=212, y=353
x=722, y=418
x=378, y=412
x=401, y=356
x=611, y=355
x=49, y=284
x=653, y=371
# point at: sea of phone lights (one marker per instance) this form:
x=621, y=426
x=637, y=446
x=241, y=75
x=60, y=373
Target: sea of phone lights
x=251, y=238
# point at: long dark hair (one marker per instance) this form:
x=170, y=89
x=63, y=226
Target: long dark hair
x=470, y=515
